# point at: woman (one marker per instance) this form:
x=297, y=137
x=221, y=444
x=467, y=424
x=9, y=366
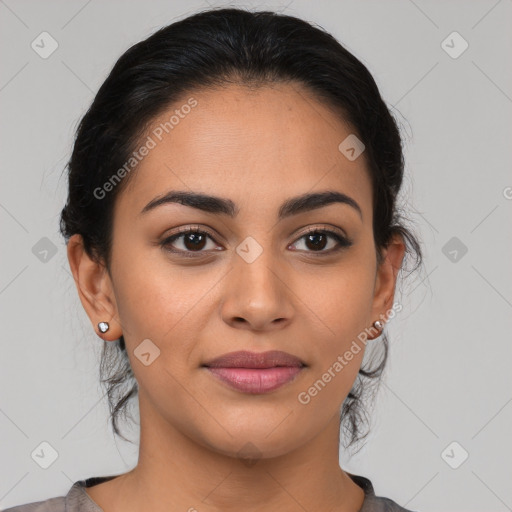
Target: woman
x=233, y=233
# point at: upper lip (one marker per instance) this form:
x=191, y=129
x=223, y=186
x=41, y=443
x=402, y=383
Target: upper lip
x=246, y=359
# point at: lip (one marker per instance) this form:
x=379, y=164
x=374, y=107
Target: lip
x=253, y=372
x=246, y=359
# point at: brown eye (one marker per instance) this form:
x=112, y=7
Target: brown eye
x=191, y=241
x=194, y=241
x=317, y=240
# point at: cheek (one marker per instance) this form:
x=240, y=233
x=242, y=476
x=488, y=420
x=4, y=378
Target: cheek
x=339, y=299
x=338, y=307
x=168, y=305
x=155, y=296
x=341, y=310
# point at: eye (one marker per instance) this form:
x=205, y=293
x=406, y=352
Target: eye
x=192, y=240
x=318, y=239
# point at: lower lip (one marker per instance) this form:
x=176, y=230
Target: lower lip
x=256, y=380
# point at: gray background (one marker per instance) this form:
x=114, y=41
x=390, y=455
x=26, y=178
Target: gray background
x=448, y=378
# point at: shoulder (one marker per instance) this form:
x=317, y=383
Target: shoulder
x=50, y=505
x=373, y=503
x=381, y=504
x=76, y=500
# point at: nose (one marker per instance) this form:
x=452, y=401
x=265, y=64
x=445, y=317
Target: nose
x=258, y=295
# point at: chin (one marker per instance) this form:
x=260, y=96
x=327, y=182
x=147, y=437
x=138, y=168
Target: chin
x=252, y=450
x=256, y=443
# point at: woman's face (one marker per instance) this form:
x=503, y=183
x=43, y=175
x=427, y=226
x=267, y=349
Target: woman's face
x=256, y=281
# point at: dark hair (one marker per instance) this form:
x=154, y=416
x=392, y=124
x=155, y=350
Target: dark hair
x=213, y=48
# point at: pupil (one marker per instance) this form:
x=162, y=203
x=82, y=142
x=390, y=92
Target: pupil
x=194, y=239
x=310, y=238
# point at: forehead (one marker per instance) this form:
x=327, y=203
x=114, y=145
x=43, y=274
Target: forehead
x=261, y=144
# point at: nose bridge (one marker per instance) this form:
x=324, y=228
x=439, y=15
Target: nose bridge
x=257, y=266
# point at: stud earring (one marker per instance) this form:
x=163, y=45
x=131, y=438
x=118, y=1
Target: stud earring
x=378, y=325
x=103, y=326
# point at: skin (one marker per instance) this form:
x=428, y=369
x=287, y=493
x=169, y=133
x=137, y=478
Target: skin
x=258, y=148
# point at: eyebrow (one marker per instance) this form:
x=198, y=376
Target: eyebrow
x=222, y=206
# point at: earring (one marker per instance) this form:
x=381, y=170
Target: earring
x=378, y=325
x=103, y=326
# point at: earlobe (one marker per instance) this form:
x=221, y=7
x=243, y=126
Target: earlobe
x=94, y=289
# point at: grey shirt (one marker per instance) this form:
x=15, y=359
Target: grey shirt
x=77, y=500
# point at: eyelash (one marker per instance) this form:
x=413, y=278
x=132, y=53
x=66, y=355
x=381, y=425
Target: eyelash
x=343, y=243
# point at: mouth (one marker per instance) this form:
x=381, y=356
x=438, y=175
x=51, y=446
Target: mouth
x=256, y=373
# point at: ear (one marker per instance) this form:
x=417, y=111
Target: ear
x=94, y=289
x=385, y=280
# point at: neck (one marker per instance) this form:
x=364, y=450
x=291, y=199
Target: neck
x=175, y=472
